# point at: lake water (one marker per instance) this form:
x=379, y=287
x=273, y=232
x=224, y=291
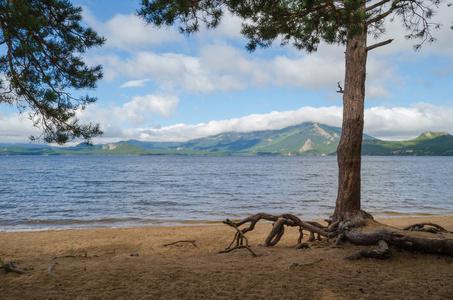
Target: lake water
x=56, y=192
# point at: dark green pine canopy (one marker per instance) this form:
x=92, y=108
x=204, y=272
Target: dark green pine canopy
x=42, y=42
x=302, y=23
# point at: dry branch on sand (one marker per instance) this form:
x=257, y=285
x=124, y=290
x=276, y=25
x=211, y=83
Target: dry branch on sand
x=181, y=241
x=361, y=231
x=11, y=267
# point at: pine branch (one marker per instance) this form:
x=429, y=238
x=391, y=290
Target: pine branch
x=379, y=45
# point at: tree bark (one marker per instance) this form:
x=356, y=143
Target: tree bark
x=428, y=243
x=350, y=147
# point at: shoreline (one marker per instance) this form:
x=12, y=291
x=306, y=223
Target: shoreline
x=142, y=263
x=115, y=225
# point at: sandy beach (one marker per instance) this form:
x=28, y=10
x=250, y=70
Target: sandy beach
x=135, y=263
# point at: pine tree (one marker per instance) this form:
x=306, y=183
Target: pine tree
x=305, y=24
x=41, y=66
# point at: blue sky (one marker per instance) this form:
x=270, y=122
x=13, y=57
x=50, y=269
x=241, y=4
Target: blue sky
x=162, y=86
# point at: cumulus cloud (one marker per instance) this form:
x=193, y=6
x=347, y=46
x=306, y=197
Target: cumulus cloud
x=388, y=123
x=169, y=70
x=220, y=67
x=16, y=128
x=129, y=32
x=138, y=111
x=134, y=83
x=397, y=123
x=229, y=28
x=400, y=123
x=162, y=105
x=395, y=30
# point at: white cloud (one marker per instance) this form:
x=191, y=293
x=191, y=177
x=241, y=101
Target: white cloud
x=138, y=111
x=221, y=67
x=229, y=28
x=16, y=128
x=400, y=44
x=274, y=120
x=397, y=123
x=388, y=123
x=168, y=69
x=401, y=123
x=162, y=105
x=381, y=75
x=311, y=71
x=134, y=83
x=129, y=32
x=109, y=62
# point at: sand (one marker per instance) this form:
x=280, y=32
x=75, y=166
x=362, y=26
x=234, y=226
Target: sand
x=97, y=264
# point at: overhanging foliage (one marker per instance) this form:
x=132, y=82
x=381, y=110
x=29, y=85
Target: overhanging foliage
x=41, y=46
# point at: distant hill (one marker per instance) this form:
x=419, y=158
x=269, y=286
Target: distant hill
x=122, y=148
x=428, y=143
x=305, y=139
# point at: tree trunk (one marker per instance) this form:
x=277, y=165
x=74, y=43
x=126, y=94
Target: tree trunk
x=350, y=147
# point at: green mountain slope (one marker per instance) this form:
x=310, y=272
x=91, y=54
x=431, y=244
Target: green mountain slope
x=305, y=139
x=428, y=143
x=122, y=148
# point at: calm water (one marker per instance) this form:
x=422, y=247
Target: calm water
x=41, y=192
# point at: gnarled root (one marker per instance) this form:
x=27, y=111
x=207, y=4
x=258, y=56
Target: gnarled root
x=382, y=253
x=438, y=244
x=278, y=229
x=181, y=241
x=355, y=231
x=11, y=267
x=239, y=237
x=434, y=228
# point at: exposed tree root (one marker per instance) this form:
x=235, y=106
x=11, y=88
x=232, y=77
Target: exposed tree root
x=382, y=253
x=239, y=237
x=10, y=267
x=181, y=241
x=239, y=247
x=434, y=228
x=278, y=228
x=302, y=246
x=75, y=256
x=356, y=231
x=295, y=265
x=426, y=243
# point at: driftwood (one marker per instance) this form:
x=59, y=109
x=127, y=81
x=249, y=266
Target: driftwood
x=239, y=237
x=181, y=241
x=350, y=230
x=434, y=228
x=295, y=265
x=10, y=267
x=75, y=256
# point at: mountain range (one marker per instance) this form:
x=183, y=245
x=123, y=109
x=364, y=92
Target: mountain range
x=305, y=139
